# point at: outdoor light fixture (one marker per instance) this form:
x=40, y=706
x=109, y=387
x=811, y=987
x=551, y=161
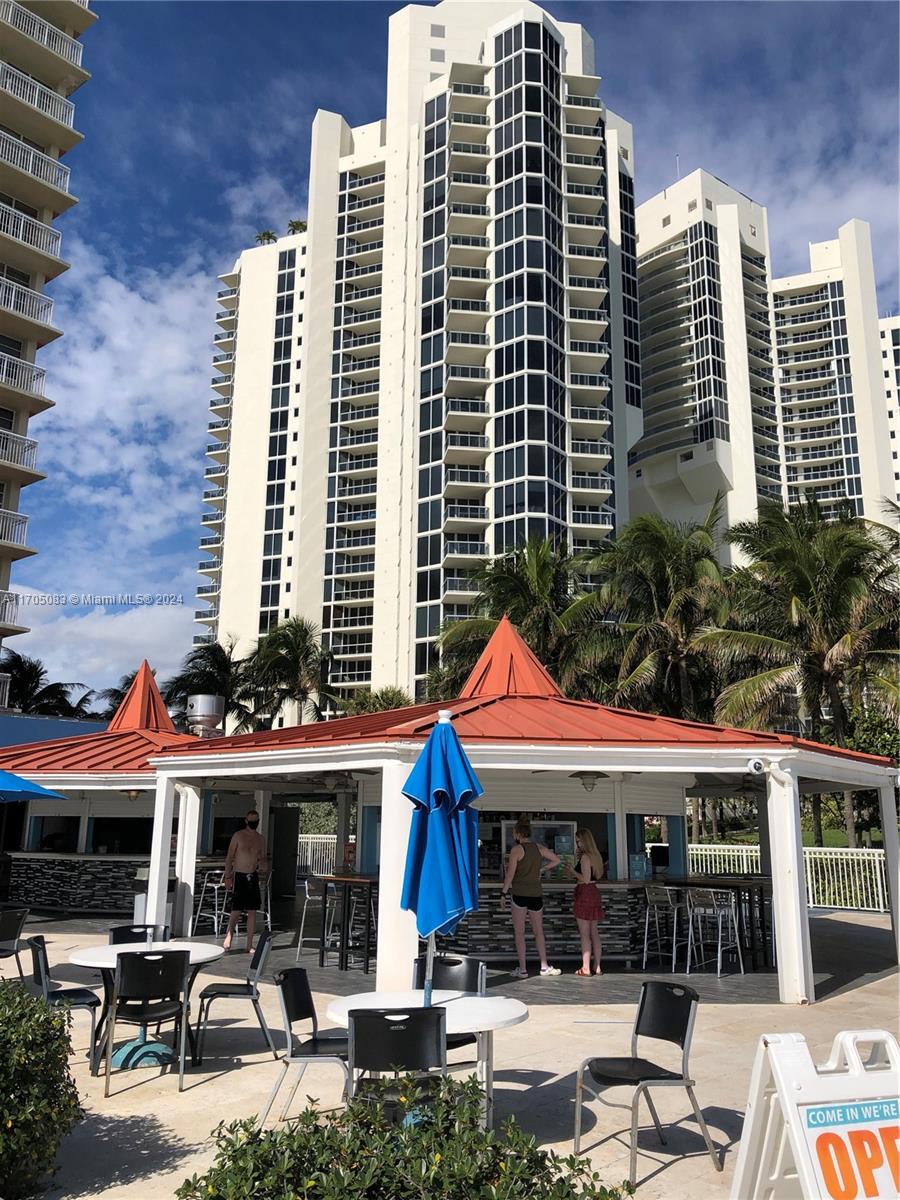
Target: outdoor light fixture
x=589, y=778
x=133, y=794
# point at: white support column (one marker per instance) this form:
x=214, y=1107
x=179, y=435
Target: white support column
x=790, y=914
x=621, y=830
x=398, y=939
x=765, y=841
x=888, y=800
x=186, y=859
x=160, y=850
x=344, y=800
x=262, y=800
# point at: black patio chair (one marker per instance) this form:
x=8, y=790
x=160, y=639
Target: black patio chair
x=57, y=997
x=12, y=922
x=151, y=987
x=666, y=1012
x=120, y=934
x=396, y=1041
x=324, y=1046
x=454, y=973
x=248, y=990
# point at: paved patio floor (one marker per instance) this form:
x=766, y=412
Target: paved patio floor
x=143, y=1141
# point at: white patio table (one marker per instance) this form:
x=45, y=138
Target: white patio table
x=467, y=1012
x=139, y=1052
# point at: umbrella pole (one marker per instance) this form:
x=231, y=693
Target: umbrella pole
x=429, y=970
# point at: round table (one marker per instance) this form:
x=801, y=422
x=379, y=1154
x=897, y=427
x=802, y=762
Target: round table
x=138, y=1052
x=466, y=1012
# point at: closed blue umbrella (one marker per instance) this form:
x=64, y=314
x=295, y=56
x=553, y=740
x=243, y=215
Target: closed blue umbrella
x=440, y=884
x=14, y=787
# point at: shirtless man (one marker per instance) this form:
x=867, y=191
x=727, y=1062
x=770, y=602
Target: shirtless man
x=246, y=857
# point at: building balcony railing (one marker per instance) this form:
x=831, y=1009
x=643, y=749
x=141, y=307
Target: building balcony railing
x=809, y=433
x=589, y=381
x=457, y=304
x=582, y=412
x=820, y=314
x=360, y=364
x=592, y=481
x=469, y=89
x=475, y=179
x=584, y=189
x=209, y=566
x=42, y=31
x=578, y=251
x=822, y=412
x=357, y=204
x=785, y=301
x=22, y=375
x=804, y=356
x=9, y=615
x=815, y=335
x=212, y=539
x=357, y=412
x=467, y=441
x=591, y=131
x=465, y=512
x=660, y=251
x=29, y=91
x=26, y=302
x=355, y=541
x=362, y=437
x=353, y=516
x=583, y=101
x=17, y=450
x=361, y=181
x=353, y=620
x=459, y=583
x=457, y=371
x=460, y=548
x=361, y=318
x=598, y=446
x=467, y=118
x=466, y=475
x=836, y=450
x=461, y=338
x=589, y=314
x=41, y=166
x=466, y=406
x=593, y=516
x=367, y=487
x=591, y=220
x=363, y=565
x=351, y=592
x=13, y=527
x=581, y=347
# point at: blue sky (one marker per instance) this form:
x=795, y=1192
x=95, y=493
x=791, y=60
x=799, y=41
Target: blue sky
x=196, y=126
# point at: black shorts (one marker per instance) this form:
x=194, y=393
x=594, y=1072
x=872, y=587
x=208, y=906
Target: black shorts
x=532, y=903
x=245, y=896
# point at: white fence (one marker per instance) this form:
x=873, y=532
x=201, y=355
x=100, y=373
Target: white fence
x=316, y=853
x=835, y=878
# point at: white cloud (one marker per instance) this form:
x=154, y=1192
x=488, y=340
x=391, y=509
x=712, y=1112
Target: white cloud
x=97, y=646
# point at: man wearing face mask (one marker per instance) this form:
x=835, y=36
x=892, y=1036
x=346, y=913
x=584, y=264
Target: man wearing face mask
x=246, y=857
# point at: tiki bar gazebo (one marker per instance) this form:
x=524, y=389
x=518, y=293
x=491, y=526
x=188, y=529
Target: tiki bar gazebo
x=563, y=761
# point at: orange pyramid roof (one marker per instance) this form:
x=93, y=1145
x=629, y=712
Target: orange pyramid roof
x=142, y=707
x=507, y=667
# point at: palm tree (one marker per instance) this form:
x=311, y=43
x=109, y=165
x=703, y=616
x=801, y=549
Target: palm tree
x=816, y=611
x=289, y=665
x=535, y=586
x=266, y=236
x=659, y=586
x=296, y=226
x=212, y=669
x=31, y=691
x=382, y=700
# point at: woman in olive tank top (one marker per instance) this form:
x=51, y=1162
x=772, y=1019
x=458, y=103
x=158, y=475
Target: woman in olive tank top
x=525, y=866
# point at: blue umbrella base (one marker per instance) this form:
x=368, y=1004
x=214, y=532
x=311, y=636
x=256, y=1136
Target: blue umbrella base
x=141, y=1053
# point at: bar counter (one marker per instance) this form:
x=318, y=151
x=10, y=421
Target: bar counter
x=488, y=933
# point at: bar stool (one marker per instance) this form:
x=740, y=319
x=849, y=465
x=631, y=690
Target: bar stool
x=667, y=902
x=355, y=901
x=322, y=894
x=214, y=881
x=705, y=906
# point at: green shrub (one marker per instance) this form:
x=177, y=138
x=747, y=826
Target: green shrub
x=38, y=1098
x=360, y=1153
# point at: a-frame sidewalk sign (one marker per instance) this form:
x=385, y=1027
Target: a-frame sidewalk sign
x=828, y=1132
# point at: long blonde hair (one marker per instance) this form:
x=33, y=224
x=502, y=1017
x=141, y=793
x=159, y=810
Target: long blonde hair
x=589, y=847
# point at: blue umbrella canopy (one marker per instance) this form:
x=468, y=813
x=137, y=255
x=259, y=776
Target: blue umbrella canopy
x=440, y=884
x=14, y=787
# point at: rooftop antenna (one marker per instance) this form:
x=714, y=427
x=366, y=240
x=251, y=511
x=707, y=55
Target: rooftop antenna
x=677, y=167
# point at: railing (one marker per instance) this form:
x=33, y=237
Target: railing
x=26, y=302
x=32, y=162
x=41, y=31
x=13, y=527
x=4, y=691
x=835, y=878
x=42, y=98
x=25, y=376
x=316, y=854
x=18, y=450
x=9, y=615
x=29, y=231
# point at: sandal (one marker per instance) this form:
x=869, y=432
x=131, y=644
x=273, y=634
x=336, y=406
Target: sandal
x=582, y=974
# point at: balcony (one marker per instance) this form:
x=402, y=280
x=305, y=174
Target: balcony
x=465, y=481
x=591, y=448
x=41, y=181
x=18, y=458
x=458, y=587
x=464, y=412
x=207, y=614
x=355, y=541
x=359, y=437
x=366, y=487
x=209, y=566
x=599, y=516
x=13, y=534
x=359, y=619
x=575, y=101
x=22, y=385
x=353, y=593
x=29, y=314
x=215, y=496
x=465, y=448
x=589, y=414
x=361, y=515
x=9, y=623
x=208, y=589
x=364, y=565
x=35, y=111
x=785, y=300
x=467, y=379
x=40, y=48
x=460, y=517
x=579, y=315
x=212, y=539
x=591, y=481
x=463, y=549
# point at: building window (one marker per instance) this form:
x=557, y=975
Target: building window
x=437, y=56
x=753, y=231
x=709, y=205
x=692, y=204
x=666, y=221
x=625, y=153
x=438, y=31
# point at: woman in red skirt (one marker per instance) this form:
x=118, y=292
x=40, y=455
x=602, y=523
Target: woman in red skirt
x=587, y=905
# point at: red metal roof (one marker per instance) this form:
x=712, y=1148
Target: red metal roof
x=511, y=715
x=508, y=667
x=140, y=729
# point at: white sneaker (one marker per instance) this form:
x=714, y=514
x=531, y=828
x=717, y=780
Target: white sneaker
x=550, y=971
x=518, y=973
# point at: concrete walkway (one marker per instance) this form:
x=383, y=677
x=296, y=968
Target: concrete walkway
x=146, y=1139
